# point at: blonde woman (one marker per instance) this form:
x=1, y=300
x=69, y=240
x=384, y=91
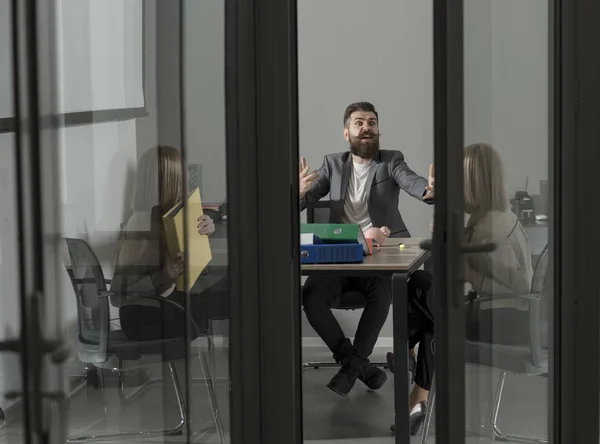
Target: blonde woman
x=145, y=267
x=505, y=271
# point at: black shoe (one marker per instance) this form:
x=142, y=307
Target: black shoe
x=373, y=377
x=412, y=365
x=352, y=367
x=415, y=420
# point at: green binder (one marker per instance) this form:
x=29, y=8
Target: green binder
x=333, y=233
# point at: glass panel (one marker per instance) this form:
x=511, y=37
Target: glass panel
x=204, y=138
x=11, y=410
x=380, y=52
x=121, y=169
x=506, y=198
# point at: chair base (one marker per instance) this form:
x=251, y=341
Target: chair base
x=79, y=437
x=499, y=435
x=508, y=436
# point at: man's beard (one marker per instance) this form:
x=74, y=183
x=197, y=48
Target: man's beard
x=365, y=146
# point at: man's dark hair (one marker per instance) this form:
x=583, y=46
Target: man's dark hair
x=359, y=106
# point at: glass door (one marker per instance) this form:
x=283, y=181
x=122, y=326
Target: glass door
x=14, y=380
x=115, y=111
x=107, y=334
x=491, y=245
x=34, y=401
x=510, y=142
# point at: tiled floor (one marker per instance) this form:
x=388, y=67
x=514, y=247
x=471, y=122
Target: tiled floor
x=328, y=419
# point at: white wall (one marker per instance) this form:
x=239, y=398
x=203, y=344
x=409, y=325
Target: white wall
x=99, y=162
x=382, y=52
x=388, y=62
x=519, y=90
x=97, y=169
x=204, y=24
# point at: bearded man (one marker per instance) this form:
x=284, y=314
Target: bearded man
x=363, y=184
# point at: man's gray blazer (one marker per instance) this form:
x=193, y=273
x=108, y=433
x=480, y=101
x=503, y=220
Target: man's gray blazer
x=388, y=175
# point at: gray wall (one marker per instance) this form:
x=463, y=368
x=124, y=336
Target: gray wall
x=389, y=62
x=97, y=167
x=383, y=53
x=204, y=27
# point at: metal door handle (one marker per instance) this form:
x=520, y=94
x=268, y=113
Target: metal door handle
x=488, y=247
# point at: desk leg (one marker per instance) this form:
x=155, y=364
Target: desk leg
x=400, y=318
x=428, y=265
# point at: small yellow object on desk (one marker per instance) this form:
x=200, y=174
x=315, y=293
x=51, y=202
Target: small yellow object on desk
x=402, y=246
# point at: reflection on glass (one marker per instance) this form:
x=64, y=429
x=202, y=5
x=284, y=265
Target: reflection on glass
x=11, y=413
x=136, y=373
x=10, y=325
x=506, y=106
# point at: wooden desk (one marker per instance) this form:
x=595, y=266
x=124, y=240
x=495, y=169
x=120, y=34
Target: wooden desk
x=391, y=262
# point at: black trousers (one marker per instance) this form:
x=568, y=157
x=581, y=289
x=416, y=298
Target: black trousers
x=497, y=326
x=421, y=325
x=318, y=296
x=144, y=323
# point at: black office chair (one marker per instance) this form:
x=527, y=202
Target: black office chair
x=97, y=343
x=319, y=213
x=529, y=358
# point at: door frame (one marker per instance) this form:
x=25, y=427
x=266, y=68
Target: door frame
x=262, y=186
x=36, y=152
x=448, y=154
x=575, y=62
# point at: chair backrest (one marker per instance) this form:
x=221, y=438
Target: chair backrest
x=539, y=310
x=93, y=311
x=318, y=212
x=539, y=280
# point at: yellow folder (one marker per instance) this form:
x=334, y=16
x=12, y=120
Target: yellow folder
x=199, y=253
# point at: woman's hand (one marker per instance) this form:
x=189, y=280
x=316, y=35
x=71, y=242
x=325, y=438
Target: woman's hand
x=206, y=225
x=430, y=189
x=174, y=266
x=385, y=231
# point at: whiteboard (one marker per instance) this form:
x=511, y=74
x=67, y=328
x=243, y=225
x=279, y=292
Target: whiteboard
x=100, y=55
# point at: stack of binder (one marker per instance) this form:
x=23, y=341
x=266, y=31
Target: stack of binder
x=197, y=245
x=333, y=244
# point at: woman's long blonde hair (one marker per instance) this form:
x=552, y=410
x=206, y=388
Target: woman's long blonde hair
x=159, y=179
x=483, y=180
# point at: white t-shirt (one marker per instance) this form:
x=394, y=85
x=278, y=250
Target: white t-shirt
x=356, y=210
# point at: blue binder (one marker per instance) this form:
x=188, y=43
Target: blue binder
x=331, y=254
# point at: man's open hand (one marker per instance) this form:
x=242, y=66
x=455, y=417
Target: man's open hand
x=307, y=177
